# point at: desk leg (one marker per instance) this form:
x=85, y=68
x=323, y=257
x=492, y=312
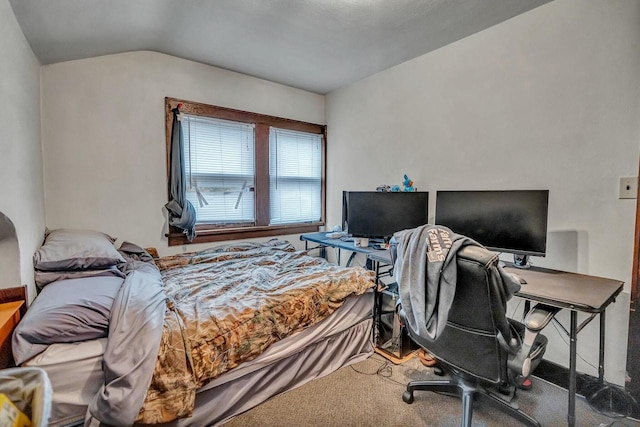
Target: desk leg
x=601, y=355
x=350, y=260
x=323, y=250
x=377, y=306
x=571, y=416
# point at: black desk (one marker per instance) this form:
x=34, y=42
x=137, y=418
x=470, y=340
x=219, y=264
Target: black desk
x=575, y=292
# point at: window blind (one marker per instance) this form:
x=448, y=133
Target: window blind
x=219, y=169
x=295, y=176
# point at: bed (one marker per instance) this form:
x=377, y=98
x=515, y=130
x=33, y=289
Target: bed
x=196, y=338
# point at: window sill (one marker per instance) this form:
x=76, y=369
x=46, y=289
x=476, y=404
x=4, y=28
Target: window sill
x=207, y=235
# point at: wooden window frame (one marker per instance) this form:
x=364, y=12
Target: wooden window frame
x=635, y=268
x=212, y=233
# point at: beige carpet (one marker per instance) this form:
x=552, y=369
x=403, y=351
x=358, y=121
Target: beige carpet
x=370, y=394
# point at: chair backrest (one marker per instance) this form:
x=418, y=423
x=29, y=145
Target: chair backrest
x=470, y=341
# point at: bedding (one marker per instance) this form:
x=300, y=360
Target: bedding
x=71, y=393
x=72, y=254
x=341, y=339
x=43, y=278
x=132, y=252
x=202, y=314
x=66, y=249
x=66, y=311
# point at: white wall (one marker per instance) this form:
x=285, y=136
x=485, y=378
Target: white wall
x=9, y=254
x=547, y=100
x=21, y=192
x=103, y=129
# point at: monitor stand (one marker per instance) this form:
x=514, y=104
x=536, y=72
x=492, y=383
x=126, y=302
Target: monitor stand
x=521, y=261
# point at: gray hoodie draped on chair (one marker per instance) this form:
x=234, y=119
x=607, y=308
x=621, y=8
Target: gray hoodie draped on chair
x=182, y=214
x=426, y=272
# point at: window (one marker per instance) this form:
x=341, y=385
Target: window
x=219, y=169
x=249, y=175
x=295, y=176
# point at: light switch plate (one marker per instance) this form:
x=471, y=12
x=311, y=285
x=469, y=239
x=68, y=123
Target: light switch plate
x=628, y=188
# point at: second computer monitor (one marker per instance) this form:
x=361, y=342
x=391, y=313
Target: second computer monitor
x=504, y=221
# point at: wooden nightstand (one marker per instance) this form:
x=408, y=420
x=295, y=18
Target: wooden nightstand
x=9, y=318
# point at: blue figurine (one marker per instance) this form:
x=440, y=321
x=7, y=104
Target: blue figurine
x=395, y=188
x=408, y=184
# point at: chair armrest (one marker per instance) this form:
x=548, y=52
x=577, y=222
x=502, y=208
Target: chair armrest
x=534, y=322
x=539, y=317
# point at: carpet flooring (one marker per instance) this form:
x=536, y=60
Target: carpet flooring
x=369, y=393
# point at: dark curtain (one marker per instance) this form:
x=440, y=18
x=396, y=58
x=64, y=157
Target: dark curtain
x=182, y=214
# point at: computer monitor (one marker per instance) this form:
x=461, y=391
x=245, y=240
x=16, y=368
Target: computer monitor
x=503, y=221
x=378, y=215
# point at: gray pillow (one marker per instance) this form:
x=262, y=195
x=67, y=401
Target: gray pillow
x=66, y=311
x=65, y=249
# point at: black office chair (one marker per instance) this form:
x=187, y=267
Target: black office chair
x=484, y=353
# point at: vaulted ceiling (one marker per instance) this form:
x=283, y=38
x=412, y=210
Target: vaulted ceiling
x=316, y=45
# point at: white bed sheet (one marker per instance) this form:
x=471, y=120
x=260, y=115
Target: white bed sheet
x=75, y=372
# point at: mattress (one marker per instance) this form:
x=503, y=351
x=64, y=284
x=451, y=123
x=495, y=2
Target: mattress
x=75, y=370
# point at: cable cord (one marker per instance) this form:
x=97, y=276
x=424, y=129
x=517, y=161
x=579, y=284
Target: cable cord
x=384, y=370
x=561, y=333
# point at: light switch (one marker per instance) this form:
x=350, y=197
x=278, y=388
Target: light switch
x=628, y=188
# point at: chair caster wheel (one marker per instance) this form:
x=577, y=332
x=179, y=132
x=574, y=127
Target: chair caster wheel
x=407, y=397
